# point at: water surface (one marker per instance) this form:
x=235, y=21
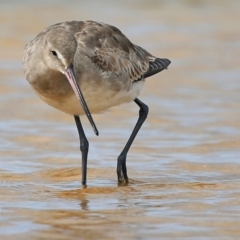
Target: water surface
x=184, y=164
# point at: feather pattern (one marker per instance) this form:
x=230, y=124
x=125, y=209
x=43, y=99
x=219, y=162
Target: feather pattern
x=112, y=51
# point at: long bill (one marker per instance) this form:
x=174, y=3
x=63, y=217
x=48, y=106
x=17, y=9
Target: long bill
x=69, y=73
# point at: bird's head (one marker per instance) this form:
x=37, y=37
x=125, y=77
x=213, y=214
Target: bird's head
x=60, y=48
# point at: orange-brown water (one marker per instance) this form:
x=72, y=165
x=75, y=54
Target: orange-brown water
x=184, y=165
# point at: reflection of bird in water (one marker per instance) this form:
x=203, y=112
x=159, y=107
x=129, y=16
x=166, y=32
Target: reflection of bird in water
x=84, y=204
x=93, y=63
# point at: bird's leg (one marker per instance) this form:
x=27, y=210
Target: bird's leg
x=121, y=162
x=83, y=147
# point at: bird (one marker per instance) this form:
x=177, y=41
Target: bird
x=85, y=68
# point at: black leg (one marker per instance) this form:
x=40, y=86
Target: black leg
x=121, y=162
x=83, y=147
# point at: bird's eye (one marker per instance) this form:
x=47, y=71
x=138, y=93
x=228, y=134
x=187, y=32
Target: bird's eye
x=54, y=53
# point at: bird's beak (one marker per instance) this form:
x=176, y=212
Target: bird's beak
x=69, y=73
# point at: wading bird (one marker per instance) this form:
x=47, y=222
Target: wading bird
x=84, y=67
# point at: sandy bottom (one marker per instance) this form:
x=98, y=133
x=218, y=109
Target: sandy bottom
x=185, y=162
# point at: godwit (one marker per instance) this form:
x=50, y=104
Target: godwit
x=94, y=64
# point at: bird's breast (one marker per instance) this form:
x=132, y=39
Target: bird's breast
x=99, y=96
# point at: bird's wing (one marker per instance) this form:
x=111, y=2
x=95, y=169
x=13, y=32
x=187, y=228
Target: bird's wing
x=111, y=51
x=156, y=65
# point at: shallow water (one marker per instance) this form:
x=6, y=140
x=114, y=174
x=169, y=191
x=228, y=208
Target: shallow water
x=184, y=164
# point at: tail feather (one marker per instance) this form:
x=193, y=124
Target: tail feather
x=156, y=66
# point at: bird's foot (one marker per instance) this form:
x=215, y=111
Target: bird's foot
x=122, y=169
x=122, y=179
x=122, y=182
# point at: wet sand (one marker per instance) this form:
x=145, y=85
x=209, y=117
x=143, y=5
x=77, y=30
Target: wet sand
x=184, y=164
